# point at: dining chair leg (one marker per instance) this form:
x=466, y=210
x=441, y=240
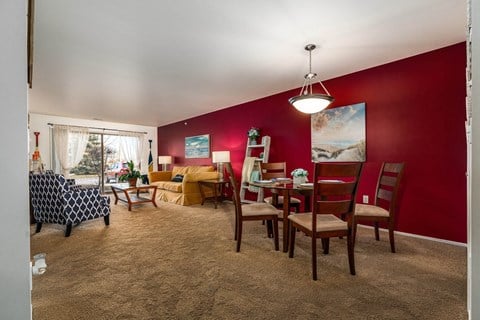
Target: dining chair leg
x=314, y=257
x=377, y=235
x=354, y=231
x=275, y=233
x=326, y=245
x=291, y=245
x=239, y=235
x=39, y=227
x=391, y=236
x=351, y=253
x=236, y=227
x=269, y=228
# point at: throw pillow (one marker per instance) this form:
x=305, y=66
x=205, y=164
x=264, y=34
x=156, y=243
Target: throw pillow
x=178, y=178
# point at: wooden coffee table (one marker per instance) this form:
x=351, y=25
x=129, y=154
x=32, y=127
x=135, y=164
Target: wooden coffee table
x=131, y=195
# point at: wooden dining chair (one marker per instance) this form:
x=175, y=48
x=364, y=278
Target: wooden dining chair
x=251, y=212
x=274, y=170
x=334, y=192
x=384, y=207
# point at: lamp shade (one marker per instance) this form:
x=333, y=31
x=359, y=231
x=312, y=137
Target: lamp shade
x=164, y=159
x=311, y=103
x=220, y=156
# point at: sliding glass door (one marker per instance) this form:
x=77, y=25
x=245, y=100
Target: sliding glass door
x=105, y=159
x=89, y=169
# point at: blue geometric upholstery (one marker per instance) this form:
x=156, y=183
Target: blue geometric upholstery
x=56, y=200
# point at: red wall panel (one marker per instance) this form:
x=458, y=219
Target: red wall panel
x=415, y=112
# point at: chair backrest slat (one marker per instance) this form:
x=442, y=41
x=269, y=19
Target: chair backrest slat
x=384, y=194
x=337, y=169
x=273, y=170
x=393, y=167
x=334, y=188
x=388, y=181
x=333, y=207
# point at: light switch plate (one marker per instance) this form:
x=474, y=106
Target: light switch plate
x=365, y=198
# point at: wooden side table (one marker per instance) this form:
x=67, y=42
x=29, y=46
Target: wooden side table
x=131, y=195
x=218, y=190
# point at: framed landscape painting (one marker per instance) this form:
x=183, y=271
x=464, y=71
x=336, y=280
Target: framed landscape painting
x=338, y=134
x=197, y=146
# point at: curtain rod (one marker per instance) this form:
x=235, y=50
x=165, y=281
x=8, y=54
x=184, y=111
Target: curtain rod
x=96, y=128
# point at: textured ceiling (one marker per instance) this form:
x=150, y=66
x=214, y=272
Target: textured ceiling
x=156, y=62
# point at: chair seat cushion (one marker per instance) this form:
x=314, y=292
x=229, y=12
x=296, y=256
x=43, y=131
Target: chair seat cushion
x=259, y=209
x=280, y=200
x=367, y=210
x=325, y=222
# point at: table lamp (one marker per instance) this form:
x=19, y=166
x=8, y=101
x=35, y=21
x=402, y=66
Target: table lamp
x=164, y=161
x=220, y=157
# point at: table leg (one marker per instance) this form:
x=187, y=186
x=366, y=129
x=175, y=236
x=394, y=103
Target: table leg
x=129, y=201
x=286, y=211
x=202, y=194
x=116, y=195
x=307, y=203
x=216, y=194
x=154, y=194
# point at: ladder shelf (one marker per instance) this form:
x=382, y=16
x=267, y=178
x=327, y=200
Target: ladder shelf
x=261, y=152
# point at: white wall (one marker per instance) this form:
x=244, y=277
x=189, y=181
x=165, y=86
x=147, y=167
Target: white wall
x=474, y=214
x=14, y=216
x=39, y=123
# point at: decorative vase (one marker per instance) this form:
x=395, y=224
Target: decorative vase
x=132, y=182
x=299, y=180
x=253, y=142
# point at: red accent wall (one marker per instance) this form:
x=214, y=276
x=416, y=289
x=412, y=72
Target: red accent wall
x=415, y=112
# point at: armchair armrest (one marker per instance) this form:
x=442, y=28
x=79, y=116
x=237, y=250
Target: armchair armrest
x=77, y=187
x=85, y=203
x=159, y=176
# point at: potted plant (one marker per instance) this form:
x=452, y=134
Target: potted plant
x=253, y=134
x=131, y=176
x=299, y=176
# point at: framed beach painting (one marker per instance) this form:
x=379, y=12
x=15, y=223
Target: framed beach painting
x=338, y=134
x=197, y=146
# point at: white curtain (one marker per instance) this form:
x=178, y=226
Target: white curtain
x=70, y=144
x=131, y=147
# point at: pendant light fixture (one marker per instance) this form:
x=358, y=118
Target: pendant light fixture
x=307, y=101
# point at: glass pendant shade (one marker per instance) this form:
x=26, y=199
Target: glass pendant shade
x=311, y=103
x=307, y=101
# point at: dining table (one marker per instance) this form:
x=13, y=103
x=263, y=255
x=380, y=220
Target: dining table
x=286, y=188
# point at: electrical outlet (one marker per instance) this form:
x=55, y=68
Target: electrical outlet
x=365, y=198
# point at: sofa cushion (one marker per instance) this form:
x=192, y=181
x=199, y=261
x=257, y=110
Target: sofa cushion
x=179, y=170
x=195, y=169
x=159, y=176
x=169, y=185
x=191, y=169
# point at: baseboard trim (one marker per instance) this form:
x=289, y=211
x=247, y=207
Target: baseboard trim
x=453, y=243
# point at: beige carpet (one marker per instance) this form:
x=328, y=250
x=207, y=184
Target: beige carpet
x=178, y=262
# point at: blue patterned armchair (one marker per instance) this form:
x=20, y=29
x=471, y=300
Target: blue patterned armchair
x=56, y=200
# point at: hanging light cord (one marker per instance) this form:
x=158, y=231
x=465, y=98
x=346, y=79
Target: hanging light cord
x=307, y=87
